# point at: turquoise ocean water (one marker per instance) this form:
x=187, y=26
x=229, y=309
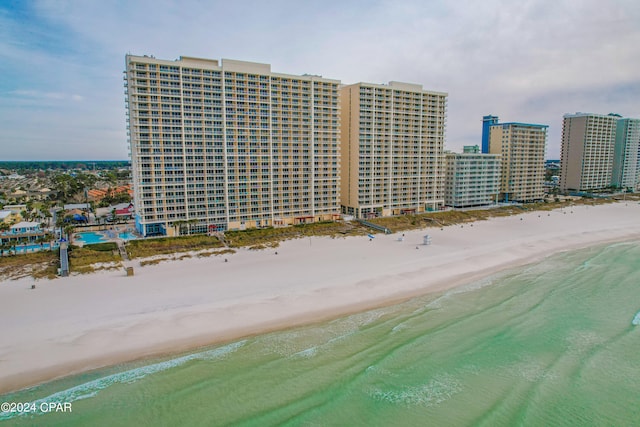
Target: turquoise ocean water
x=549, y=344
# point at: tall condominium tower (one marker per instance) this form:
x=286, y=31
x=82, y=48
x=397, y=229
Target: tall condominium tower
x=523, y=147
x=638, y=171
x=487, y=121
x=392, y=149
x=626, y=158
x=588, y=142
x=473, y=178
x=230, y=145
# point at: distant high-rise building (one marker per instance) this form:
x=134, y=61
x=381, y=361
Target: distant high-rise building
x=230, y=145
x=472, y=178
x=587, y=155
x=392, y=149
x=523, y=147
x=638, y=171
x=626, y=166
x=487, y=121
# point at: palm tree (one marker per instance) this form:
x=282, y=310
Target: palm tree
x=47, y=216
x=190, y=223
x=68, y=231
x=179, y=226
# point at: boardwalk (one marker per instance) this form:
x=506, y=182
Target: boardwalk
x=64, y=259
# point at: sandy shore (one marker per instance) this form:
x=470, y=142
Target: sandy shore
x=84, y=322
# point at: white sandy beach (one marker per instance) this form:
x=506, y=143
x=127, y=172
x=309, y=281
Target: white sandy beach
x=83, y=322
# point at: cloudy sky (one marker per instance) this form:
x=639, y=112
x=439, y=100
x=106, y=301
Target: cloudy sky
x=61, y=62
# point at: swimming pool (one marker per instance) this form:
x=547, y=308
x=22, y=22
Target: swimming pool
x=127, y=236
x=34, y=247
x=90, y=237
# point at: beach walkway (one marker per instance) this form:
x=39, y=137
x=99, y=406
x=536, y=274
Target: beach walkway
x=122, y=250
x=64, y=260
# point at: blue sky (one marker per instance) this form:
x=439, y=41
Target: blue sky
x=61, y=62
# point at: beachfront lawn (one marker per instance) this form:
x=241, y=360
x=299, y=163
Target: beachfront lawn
x=168, y=245
x=260, y=238
x=434, y=219
x=82, y=259
x=43, y=264
x=440, y=219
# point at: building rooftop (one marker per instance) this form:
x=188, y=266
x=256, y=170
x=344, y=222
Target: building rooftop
x=77, y=206
x=25, y=224
x=579, y=114
x=520, y=124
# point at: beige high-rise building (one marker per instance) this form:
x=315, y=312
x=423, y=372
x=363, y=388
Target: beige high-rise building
x=588, y=143
x=473, y=178
x=392, y=149
x=523, y=147
x=230, y=145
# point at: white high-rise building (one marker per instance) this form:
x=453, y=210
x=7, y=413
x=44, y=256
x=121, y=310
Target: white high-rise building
x=230, y=145
x=588, y=142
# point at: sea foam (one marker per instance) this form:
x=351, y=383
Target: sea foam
x=90, y=389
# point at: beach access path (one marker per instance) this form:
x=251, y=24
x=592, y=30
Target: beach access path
x=78, y=323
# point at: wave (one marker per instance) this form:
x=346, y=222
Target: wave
x=90, y=389
x=636, y=319
x=434, y=392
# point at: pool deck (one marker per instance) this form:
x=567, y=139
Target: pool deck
x=108, y=235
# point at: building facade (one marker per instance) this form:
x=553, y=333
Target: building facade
x=587, y=154
x=487, y=122
x=472, y=178
x=230, y=145
x=626, y=157
x=523, y=147
x=638, y=171
x=392, y=149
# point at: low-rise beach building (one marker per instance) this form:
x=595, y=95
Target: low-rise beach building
x=472, y=178
x=24, y=231
x=8, y=217
x=16, y=209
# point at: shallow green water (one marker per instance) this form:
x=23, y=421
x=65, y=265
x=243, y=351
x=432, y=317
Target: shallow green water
x=551, y=344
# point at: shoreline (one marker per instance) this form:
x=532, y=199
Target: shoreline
x=105, y=318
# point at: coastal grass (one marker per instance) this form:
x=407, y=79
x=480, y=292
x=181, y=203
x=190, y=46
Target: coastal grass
x=154, y=261
x=158, y=259
x=262, y=238
x=216, y=253
x=80, y=258
x=436, y=219
x=444, y=218
x=169, y=245
x=40, y=265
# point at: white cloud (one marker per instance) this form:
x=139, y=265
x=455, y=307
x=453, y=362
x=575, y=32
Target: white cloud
x=46, y=95
x=531, y=61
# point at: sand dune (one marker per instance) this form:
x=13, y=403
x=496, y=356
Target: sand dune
x=84, y=322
